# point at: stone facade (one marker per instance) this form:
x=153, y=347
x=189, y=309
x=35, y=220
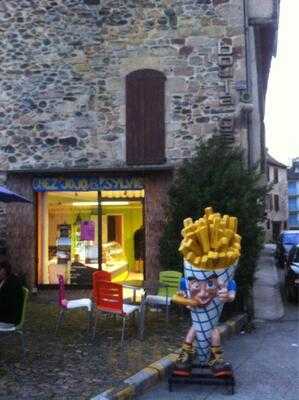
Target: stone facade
x=156, y=188
x=277, y=209
x=2, y=219
x=63, y=69
x=64, y=64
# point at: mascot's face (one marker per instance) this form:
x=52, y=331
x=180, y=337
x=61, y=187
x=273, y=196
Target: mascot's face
x=203, y=291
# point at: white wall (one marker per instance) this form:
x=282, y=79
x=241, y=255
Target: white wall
x=261, y=8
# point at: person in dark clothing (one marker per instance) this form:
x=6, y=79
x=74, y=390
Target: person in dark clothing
x=139, y=246
x=11, y=295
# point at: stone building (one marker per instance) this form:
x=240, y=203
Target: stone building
x=293, y=185
x=277, y=200
x=100, y=100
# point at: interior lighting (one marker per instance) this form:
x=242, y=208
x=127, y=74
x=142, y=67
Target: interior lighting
x=103, y=203
x=115, y=203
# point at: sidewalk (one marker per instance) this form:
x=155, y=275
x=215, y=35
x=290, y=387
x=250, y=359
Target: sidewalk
x=268, y=304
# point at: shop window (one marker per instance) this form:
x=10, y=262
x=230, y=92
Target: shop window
x=145, y=117
x=81, y=232
x=276, y=202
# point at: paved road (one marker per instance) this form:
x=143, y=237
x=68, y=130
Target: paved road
x=266, y=361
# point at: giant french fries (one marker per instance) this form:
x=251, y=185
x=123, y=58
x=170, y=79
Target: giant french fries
x=211, y=242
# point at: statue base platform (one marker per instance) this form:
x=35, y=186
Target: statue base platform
x=202, y=375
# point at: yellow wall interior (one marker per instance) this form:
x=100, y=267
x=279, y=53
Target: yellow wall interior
x=132, y=220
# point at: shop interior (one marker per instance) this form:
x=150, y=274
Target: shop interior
x=78, y=231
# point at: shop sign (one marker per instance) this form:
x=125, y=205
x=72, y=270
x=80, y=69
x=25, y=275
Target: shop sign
x=77, y=184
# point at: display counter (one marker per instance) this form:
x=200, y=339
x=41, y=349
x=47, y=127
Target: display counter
x=80, y=273
x=114, y=261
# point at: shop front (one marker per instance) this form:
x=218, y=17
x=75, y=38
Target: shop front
x=78, y=223
x=88, y=223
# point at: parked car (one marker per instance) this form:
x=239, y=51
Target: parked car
x=286, y=240
x=292, y=275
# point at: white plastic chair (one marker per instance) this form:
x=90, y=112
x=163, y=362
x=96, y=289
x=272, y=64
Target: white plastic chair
x=65, y=304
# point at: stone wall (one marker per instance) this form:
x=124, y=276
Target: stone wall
x=2, y=219
x=20, y=229
x=63, y=69
x=156, y=188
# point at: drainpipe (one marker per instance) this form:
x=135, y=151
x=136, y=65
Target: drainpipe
x=248, y=80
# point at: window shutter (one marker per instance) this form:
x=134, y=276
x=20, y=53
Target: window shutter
x=145, y=117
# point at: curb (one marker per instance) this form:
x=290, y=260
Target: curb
x=155, y=372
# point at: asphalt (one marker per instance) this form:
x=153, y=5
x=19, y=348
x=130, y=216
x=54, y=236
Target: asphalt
x=265, y=361
x=266, y=365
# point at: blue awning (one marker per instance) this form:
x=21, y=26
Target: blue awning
x=8, y=196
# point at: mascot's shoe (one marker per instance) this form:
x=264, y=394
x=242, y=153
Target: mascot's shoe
x=183, y=365
x=219, y=367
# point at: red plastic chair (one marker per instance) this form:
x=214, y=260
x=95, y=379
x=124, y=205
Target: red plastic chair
x=99, y=276
x=109, y=299
x=65, y=304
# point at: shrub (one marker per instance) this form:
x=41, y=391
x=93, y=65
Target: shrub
x=217, y=176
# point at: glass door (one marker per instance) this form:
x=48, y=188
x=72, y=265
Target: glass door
x=68, y=237
x=123, y=234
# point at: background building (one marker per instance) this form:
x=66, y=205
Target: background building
x=293, y=184
x=277, y=199
x=101, y=100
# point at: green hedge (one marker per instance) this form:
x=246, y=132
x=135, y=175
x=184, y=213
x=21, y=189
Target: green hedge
x=217, y=176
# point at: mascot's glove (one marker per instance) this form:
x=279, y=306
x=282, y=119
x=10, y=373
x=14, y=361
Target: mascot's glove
x=181, y=299
x=226, y=294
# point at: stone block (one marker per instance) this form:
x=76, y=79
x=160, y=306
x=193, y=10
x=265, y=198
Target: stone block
x=176, y=85
x=214, y=31
x=186, y=50
x=183, y=71
x=196, y=60
x=81, y=68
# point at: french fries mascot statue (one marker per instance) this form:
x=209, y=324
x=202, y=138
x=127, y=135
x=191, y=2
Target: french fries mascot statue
x=211, y=248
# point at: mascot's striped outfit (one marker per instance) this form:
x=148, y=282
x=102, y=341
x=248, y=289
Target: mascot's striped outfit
x=205, y=319
x=211, y=248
